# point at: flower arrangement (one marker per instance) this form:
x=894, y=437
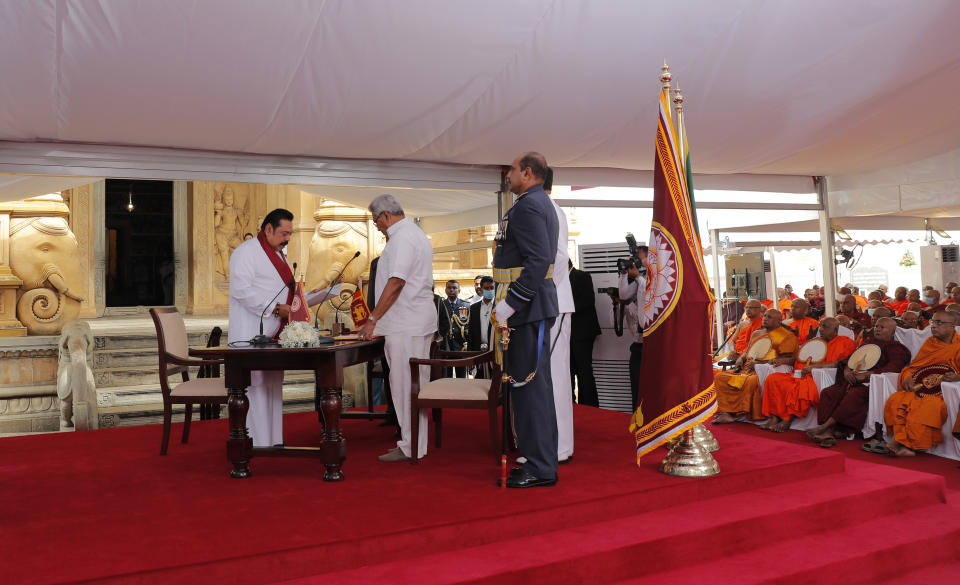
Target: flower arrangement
x=299, y=334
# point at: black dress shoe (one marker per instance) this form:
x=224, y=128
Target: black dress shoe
x=528, y=480
x=515, y=471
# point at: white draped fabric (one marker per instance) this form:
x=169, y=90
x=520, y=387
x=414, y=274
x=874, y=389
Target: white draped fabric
x=822, y=377
x=462, y=82
x=254, y=281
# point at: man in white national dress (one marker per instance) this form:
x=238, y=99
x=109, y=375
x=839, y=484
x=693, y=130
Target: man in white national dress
x=258, y=273
x=404, y=313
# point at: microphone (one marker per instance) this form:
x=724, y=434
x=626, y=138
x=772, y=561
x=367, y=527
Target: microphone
x=316, y=315
x=261, y=340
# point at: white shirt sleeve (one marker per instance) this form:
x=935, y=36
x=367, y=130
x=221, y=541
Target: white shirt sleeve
x=627, y=291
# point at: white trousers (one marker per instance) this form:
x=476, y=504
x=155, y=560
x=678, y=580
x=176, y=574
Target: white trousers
x=398, y=350
x=562, y=391
x=265, y=417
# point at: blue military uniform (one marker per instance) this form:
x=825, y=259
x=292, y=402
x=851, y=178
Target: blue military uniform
x=523, y=270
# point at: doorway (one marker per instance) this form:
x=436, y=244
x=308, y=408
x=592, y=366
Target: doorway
x=138, y=217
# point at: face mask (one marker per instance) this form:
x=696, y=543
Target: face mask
x=488, y=294
x=871, y=311
x=928, y=300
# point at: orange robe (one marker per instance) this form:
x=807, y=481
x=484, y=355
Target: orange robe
x=768, y=303
x=784, y=306
x=743, y=338
x=804, y=329
x=740, y=393
x=785, y=396
x=899, y=306
x=862, y=302
x=916, y=421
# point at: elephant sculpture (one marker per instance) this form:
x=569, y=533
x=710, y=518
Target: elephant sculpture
x=333, y=245
x=76, y=387
x=43, y=254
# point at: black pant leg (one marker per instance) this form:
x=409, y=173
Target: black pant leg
x=636, y=354
x=581, y=363
x=534, y=412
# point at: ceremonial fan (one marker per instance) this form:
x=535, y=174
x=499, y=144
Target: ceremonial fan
x=864, y=358
x=759, y=348
x=813, y=351
x=930, y=378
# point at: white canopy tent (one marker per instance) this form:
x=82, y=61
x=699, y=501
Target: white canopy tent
x=426, y=98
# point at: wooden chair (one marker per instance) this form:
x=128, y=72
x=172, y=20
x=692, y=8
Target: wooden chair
x=440, y=393
x=172, y=348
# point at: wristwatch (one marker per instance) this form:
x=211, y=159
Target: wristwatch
x=371, y=318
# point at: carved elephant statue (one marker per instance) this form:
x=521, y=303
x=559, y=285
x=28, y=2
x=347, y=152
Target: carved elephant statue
x=334, y=243
x=76, y=387
x=44, y=255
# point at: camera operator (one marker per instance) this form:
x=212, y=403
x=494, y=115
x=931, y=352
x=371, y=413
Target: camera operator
x=631, y=295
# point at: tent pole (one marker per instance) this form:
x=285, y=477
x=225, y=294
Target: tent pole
x=773, y=280
x=826, y=248
x=719, y=294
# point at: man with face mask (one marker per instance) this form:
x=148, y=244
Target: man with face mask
x=258, y=270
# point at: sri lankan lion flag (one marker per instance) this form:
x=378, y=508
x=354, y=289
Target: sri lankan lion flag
x=676, y=377
x=359, y=311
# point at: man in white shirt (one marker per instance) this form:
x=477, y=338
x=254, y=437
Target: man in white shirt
x=404, y=313
x=258, y=273
x=477, y=288
x=480, y=330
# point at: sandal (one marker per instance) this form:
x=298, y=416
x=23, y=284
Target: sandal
x=828, y=442
x=875, y=446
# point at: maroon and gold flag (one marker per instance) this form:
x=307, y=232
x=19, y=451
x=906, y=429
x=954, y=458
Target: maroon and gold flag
x=298, y=306
x=676, y=377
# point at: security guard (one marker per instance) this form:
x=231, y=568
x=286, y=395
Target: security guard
x=527, y=304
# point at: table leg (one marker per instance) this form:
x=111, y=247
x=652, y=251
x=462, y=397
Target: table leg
x=334, y=445
x=239, y=443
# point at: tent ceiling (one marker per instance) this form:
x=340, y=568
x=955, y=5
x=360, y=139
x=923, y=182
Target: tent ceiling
x=866, y=222
x=778, y=88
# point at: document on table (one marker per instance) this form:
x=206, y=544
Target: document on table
x=316, y=296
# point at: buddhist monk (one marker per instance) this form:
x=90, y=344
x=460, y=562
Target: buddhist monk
x=753, y=311
x=738, y=392
x=914, y=297
x=843, y=407
x=858, y=319
x=785, y=302
x=910, y=320
x=912, y=416
x=786, y=397
x=900, y=301
x=803, y=326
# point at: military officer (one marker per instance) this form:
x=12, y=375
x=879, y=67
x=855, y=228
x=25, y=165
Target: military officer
x=527, y=305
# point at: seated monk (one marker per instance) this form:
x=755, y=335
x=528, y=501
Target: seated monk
x=875, y=316
x=803, y=326
x=858, y=319
x=932, y=298
x=843, y=406
x=914, y=297
x=923, y=316
x=900, y=302
x=914, y=417
x=738, y=392
x=910, y=320
x=786, y=397
x=784, y=303
x=752, y=321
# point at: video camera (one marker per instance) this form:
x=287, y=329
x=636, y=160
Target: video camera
x=623, y=264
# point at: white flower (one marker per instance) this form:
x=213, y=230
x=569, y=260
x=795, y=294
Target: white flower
x=299, y=334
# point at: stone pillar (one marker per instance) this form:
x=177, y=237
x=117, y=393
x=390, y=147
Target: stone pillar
x=9, y=283
x=99, y=228
x=80, y=200
x=181, y=242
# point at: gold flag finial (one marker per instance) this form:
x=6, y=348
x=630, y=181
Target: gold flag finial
x=678, y=98
x=665, y=76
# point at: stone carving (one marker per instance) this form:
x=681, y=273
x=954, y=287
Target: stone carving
x=340, y=232
x=43, y=253
x=75, y=385
x=229, y=220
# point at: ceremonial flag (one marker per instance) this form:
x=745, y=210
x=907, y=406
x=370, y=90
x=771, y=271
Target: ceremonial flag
x=359, y=311
x=298, y=306
x=676, y=377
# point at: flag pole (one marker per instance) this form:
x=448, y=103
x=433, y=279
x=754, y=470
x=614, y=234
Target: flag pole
x=687, y=457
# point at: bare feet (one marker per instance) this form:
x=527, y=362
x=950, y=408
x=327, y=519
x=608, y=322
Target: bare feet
x=897, y=450
x=771, y=422
x=782, y=426
x=723, y=418
x=822, y=436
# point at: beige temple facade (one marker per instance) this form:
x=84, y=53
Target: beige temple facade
x=55, y=256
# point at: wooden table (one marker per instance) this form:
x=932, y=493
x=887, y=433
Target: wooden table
x=327, y=364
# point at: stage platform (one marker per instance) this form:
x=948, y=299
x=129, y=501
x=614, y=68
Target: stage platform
x=104, y=507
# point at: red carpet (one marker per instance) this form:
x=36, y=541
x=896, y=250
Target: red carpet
x=103, y=507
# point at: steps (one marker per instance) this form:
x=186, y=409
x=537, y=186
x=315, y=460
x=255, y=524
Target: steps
x=858, y=526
